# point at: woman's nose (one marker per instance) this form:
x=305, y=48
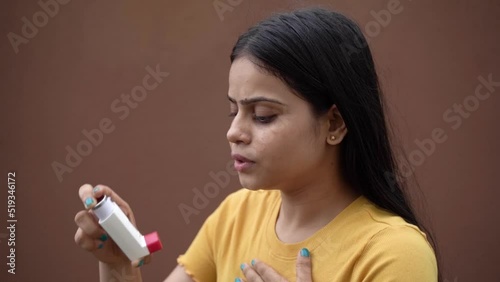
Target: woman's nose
x=238, y=132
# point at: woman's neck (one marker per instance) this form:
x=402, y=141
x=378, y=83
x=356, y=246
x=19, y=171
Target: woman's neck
x=307, y=209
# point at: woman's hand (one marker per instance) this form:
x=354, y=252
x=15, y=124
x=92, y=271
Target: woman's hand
x=261, y=272
x=91, y=237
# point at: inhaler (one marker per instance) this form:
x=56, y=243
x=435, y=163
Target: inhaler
x=122, y=231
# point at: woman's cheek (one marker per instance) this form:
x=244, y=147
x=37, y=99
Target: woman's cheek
x=265, y=139
x=273, y=134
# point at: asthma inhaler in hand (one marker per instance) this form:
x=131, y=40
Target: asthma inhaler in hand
x=122, y=231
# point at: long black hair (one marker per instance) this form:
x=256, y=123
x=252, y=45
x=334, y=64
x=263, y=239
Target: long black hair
x=324, y=58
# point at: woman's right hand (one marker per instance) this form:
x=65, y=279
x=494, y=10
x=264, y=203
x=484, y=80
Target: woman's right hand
x=91, y=237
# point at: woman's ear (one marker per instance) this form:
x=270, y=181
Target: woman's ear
x=337, y=129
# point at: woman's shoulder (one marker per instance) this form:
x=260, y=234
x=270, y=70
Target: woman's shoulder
x=393, y=245
x=380, y=220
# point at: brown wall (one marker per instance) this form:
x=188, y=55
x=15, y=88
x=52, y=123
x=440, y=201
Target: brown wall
x=65, y=79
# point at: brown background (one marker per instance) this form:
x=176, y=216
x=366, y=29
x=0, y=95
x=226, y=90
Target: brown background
x=65, y=78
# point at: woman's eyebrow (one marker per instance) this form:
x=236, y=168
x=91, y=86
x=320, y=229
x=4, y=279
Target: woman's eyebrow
x=252, y=100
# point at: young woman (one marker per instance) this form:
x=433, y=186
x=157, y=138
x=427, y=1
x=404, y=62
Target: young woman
x=323, y=200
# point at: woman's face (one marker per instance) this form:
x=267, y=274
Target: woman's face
x=275, y=130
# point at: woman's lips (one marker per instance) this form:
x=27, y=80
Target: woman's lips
x=241, y=163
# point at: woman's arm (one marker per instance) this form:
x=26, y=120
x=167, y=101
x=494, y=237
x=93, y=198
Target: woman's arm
x=179, y=275
x=121, y=272
x=132, y=274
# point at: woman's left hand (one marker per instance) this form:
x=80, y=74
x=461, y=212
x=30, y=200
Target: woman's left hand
x=261, y=272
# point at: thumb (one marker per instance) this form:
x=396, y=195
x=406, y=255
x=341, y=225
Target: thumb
x=304, y=267
x=143, y=261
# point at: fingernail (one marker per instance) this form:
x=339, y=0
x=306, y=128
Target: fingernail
x=253, y=262
x=140, y=263
x=100, y=246
x=103, y=237
x=237, y=280
x=242, y=266
x=304, y=252
x=88, y=202
x=96, y=189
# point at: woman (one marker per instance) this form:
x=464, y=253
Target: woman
x=323, y=198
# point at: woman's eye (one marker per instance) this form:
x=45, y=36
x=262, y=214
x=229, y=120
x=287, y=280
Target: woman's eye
x=265, y=119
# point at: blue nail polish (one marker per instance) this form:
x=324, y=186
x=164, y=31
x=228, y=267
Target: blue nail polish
x=140, y=263
x=96, y=189
x=242, y=266
x=89, y=201
x=103, y=237
x=304, y=252
x=253, y=262
x=100, y=246
x=237, y=280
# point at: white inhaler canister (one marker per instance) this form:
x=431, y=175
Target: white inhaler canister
x=122, y=231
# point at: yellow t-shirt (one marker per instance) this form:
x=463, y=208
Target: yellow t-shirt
x=362, y=243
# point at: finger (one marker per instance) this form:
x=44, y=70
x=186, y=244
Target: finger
x=304, y=266
x=85, y=193
x=262, y=272
x=89, y=225
x=250, y=274
x=140, y=262
x=100, y=190
x=86, y=242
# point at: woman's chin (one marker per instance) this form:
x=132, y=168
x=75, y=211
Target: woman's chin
x=251, y=188
x=248, y=183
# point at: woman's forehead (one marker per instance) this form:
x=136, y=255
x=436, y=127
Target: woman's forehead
x=246, y=79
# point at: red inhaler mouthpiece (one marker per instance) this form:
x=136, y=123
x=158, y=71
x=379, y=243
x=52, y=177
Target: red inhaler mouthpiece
x=153, y=242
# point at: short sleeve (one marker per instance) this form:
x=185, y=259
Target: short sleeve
x=397, y=253
x=198, y=260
